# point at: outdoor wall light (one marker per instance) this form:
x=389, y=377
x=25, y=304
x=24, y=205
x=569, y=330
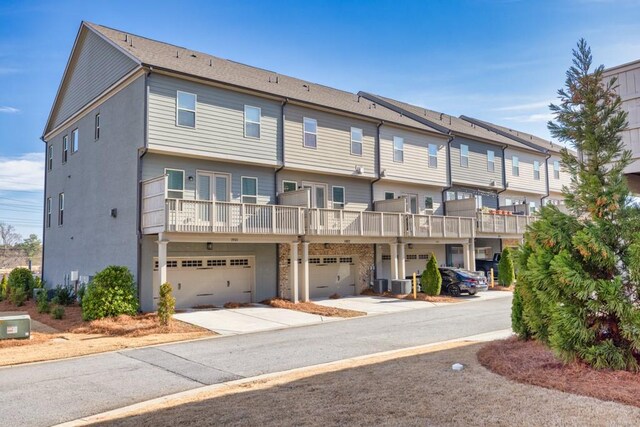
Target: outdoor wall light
x=190, y=178
x=326, y=246
x=209, y=246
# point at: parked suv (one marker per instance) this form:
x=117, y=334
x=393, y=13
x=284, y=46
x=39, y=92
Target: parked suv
x=456, y=281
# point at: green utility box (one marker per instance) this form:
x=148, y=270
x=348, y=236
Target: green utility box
x=15, y=326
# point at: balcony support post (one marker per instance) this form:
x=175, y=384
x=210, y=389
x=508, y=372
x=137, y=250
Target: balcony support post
x=293, y=272
x=162, y=258
x=393, y=250
x=305, y=271
x=401, y=261
x=467, y=257
x=379, y=262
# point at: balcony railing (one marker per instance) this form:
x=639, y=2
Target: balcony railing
x=339, y=222
x=503, y=224
x=439, y=226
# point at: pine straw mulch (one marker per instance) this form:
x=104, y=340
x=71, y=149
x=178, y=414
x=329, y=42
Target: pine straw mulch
x=502, y=288
x=311, y=308
x=419, y=296
x=530, y=362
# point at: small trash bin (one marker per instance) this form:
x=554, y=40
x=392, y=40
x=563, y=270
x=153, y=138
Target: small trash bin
x=401, y=286
x=380, y=286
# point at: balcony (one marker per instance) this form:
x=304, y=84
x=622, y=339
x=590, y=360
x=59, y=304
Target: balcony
x=436, y=226
x=340, y=222
x=495, y=223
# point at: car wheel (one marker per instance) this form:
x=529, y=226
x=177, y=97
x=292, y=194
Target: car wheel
x=454, y=290
x=472, y=293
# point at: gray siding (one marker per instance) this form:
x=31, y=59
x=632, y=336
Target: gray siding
x=333, y=151
x=357, y=191
x=489, y=198
x=219, y=131
x=422, y=191
x=525, y=182
x=101, y=176
x=477, y=173
x=154, y=165
x=95, y=66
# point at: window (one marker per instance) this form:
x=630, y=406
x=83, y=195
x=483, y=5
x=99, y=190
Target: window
x=515, y=166
x=536, y=170
x=186, y=109
x=289, y=186
x=388, y=195
x=338, y=197
x=60, y=209
x=65, y=148
x=556, y=169
x=96, y=124
x=48, y=220
x=491, y=161
x=252, y=121
x=507, y=202
x=464, y=155
x=450, y=195
x=398, y=149
x=433, y=156
x=532, y=207
x=249, y=190
x=74, y=141
x=428, y=202
x=50, y=158
x=175, y=183
x=310, y=132
x=413, y=203
x=356, y=141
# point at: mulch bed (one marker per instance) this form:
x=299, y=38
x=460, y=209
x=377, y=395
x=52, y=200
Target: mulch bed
x=419, y=296
x=530, y=362
x=311, y=308
x=502, y=288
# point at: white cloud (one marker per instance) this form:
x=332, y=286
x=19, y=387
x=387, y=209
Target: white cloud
x=22, y=173
x=531, y=118
x=524, y=107
x=10, y=110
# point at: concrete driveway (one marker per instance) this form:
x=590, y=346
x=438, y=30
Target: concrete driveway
x=245, y=320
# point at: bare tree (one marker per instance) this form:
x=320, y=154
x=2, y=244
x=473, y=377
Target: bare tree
x=8, y=235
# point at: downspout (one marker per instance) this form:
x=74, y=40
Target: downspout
x=449, y=177
x=44, y=204
x=141, y=153
x=546, y=178
x=505, y=184
x=275, y=185
x=377, y=173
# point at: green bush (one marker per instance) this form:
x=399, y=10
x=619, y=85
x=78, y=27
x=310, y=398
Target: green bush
x=65, y=295
x=111, y=293
x=42, y=302
x=17, y=296
x=4, y=288
x=431, y=280
x=57, y=312
x=517, y=321
x=21, y=278
x=166, y=305
x=506, y=272
x=81, y=291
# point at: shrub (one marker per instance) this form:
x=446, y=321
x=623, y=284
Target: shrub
x=17, y=296
x=166, y=305
x=111, y=293
x=43, y=303
x=4, y=288
x=517, y=322
x=65, y=295
x=21, y=278
x=506, y=272
x=82, y=290
x=57, y=312
x=431, y=280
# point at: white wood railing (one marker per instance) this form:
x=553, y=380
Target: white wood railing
x=506, y=224
x=439, y=226
x=153, y=204
x=340, y=222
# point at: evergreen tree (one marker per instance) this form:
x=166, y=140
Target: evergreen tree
x=506, y=273
x=166, y=305
x=578, y=274
x=431, y=279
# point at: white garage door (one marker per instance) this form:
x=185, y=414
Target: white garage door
x=330, y=275
x=210, y=281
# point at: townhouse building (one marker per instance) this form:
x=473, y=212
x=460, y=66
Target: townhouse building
x=239, y=184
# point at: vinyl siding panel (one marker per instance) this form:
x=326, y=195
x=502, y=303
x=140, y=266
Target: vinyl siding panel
x=628, y=81
x=415, y=167
x=357, y=191
x=153, y=165
x=519, y=196
x=219, y=130
x=333, y=151
x=95, y=66
x=565, y=178
x=477, y=173
x=525, y=182
x=399, y=189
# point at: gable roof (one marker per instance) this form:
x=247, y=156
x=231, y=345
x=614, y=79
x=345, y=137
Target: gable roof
x=175, y=59
x=446, y=123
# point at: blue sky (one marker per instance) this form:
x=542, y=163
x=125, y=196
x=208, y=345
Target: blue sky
x=499, y=60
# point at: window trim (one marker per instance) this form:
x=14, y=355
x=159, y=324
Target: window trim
x=75, y=141
x=213, y=174
x=463, y=156
x=96, y=127
x=357, y=142
x=242, y=195
x=304, y=133
x=556, y=171
x=286, y=181
x=433, y=156
x=60, y=209
x=65, y=148
x=246, y=121
x=401, y=150
x=194, y=111
x=50, y=158
x=536, y=170
x=427, y=198
x=515, y=166
x=344, y=197
x=491, y=162
x=48, y=213
x=167, y=190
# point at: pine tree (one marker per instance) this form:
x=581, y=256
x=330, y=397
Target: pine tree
x=506, y=273
x=578, y=274
x=431, y=279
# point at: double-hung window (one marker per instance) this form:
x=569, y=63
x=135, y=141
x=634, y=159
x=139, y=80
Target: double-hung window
x=252, y=117
x=61, y=209
x=356, y=141
x=491, y=161
x=65, y=148
x=515, y=166
x=249, y=190
x=48, y=220
x=464, y=155
x=398, y=149
x=96, y=127
x=433, y=156
x=389, y=195
x=186, y=109
x=428, y=202
x=175, y=183
x=536, y=170
x=289, y=186
x=556, y=169
x=50, y=157
x=310, y=130
x=75, y=141
x=338, y=197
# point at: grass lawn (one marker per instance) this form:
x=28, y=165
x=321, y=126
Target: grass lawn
x=56, y=339
x=413, y=389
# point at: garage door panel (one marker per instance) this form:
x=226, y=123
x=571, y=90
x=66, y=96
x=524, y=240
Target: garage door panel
x=330, y=275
